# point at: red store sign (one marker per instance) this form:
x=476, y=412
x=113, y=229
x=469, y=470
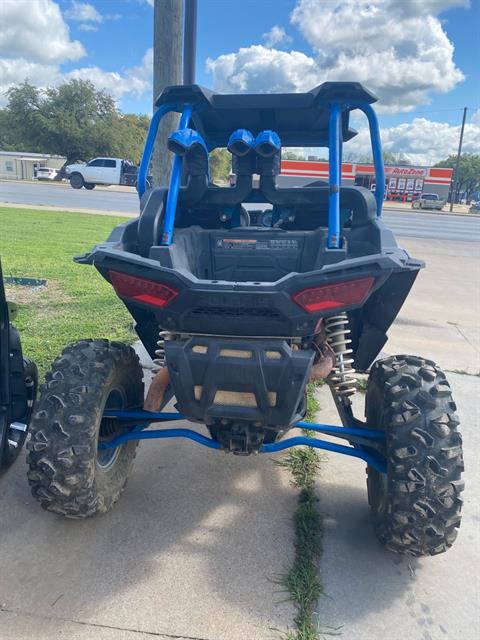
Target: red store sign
x=405, y=171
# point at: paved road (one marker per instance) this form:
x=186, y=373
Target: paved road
x=430, y=225
x=62, y=195
x=406, y=224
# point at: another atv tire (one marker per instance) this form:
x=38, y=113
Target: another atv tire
x=76, y=181
x=68, y=474
x=417, y=504
x=89, y=186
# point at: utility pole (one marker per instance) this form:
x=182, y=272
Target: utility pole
x=457, y=164
x=167, y=70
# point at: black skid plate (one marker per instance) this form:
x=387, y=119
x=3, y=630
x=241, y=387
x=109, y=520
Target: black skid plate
x=261, y=381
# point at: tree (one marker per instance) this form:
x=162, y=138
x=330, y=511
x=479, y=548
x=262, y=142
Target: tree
x=220, y=162
x=6, y=140
x=469, y=175
x=291, y=155
x=399, y=159
x=78, y=120
x=130, y=133
x=21, y=119
x=74, y=120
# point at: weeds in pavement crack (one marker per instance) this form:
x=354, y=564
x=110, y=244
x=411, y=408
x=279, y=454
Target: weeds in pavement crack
x=302, y=580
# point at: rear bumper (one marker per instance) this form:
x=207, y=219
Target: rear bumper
x=227, y=308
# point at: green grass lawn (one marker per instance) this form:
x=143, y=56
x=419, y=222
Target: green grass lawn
x=77, y=302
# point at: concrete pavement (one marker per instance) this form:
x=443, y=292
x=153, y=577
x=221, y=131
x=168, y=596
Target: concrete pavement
x=192, y=547
x=440, y=318
x=190, y=550
x=371, y=593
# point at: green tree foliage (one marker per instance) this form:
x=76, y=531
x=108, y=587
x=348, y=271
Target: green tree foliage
x=291, y=155
x=389, y=157
x=74, y=119
x=130, y=133
x=468, y=175
x=220, y=164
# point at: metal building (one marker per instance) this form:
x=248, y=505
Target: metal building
x=19, y=165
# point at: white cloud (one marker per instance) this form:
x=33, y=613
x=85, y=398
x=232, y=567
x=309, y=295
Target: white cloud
x=258, y=69
x=13, y=71
x=83, y=12
x=276, y=35
x=35, y=43
x=421, y=141
x=87, y=26
x=134, y=81
x=476, y=117
x=36, y=33
x=398, y=50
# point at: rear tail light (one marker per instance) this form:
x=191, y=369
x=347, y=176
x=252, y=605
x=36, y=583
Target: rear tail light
x=334, y=296
x=141, y=289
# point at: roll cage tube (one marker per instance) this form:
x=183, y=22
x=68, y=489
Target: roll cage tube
x=174, y=186
x=149, y=146
x=334, y=174
x=335, y=165
x=376, y=144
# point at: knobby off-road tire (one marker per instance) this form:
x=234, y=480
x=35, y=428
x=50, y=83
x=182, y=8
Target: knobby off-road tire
x=68, y=474
x=417, y=504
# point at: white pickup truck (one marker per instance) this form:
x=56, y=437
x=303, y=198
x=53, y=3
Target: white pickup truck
x=102, y=171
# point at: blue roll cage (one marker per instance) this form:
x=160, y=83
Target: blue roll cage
x=334, y=161
x=365, y=444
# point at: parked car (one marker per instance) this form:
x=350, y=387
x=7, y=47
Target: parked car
x=428, y=201
x=102, y=171
x=46, y=173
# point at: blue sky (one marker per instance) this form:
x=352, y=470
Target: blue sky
x=419, y=56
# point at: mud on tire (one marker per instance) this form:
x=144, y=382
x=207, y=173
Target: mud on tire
x=68, y=474
x=417, y=505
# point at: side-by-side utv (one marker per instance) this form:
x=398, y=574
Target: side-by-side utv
x=242, y=294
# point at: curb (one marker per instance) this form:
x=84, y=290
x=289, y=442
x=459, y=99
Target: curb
x=66, y=185
x=439, y=213
x=48, y=207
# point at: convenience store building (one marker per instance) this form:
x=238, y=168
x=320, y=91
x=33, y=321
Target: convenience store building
x=401, y=182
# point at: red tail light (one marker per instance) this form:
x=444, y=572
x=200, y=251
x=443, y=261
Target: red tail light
x=142, y=290
x=334, y=296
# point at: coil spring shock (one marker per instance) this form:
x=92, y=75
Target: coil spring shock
x=159, y=361
x=343, y=376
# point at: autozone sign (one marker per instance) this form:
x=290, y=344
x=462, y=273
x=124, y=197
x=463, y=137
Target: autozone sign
x=406, y=171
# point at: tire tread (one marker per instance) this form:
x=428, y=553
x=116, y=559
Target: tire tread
x=62, y=444
x=411, y=399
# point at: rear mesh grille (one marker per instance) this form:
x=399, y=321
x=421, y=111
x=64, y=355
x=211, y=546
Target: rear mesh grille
x=236, y=312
